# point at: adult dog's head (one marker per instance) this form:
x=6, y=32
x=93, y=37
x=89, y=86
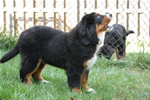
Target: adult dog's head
x=91, y=27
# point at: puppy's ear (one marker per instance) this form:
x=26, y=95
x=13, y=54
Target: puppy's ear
x=83, y=33
x=84, y=28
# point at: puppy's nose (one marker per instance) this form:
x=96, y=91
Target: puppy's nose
x=110, y=15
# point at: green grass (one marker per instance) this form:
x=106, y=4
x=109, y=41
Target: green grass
x=7, y=42
x=112, y=80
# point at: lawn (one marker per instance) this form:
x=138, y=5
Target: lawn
x=112, y=80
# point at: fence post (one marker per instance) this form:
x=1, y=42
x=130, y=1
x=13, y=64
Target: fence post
x=35, y=13
x=15, y=23
x=65, y=25
x=24, y=14
x=78, y=10
x=44, y=13
x=55, y=14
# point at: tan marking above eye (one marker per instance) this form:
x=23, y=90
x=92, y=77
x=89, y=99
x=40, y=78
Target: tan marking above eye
x=96, y=14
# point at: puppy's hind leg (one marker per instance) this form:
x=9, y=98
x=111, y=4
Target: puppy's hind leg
x=117, y=53
x=37, y=73
x=121, y=51
x=28, y=66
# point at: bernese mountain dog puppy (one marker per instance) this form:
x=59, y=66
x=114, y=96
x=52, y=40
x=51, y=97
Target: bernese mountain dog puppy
x=115, y=42
x=74, y=51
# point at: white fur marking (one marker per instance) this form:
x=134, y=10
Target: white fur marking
x=44, y=81
x=91, y=90
x=92, y=61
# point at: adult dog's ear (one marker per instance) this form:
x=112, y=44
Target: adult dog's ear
x=84, y=33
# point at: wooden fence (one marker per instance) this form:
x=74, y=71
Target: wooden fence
x=18, y=15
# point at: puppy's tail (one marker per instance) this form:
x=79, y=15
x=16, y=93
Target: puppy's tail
x=12, y=53
x=129, y=32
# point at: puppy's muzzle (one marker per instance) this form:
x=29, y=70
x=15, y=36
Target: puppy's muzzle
x=108, y=28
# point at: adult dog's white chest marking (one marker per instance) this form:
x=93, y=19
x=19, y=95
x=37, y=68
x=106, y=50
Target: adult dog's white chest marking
x=93, y=60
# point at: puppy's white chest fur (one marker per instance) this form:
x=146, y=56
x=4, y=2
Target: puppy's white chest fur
x=93, y=60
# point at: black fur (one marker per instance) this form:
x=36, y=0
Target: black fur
x=115, y=41
x=12, y=53
x=64, y=50
x=106, y=51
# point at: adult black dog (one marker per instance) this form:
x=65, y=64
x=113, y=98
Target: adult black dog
x=115, y=41
x=74, y=51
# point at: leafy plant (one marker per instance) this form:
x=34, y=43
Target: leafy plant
x=143, y=61
x=7, y=42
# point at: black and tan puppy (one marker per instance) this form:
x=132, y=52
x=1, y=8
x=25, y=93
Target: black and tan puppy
x=74, y=51
x=115, y=42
